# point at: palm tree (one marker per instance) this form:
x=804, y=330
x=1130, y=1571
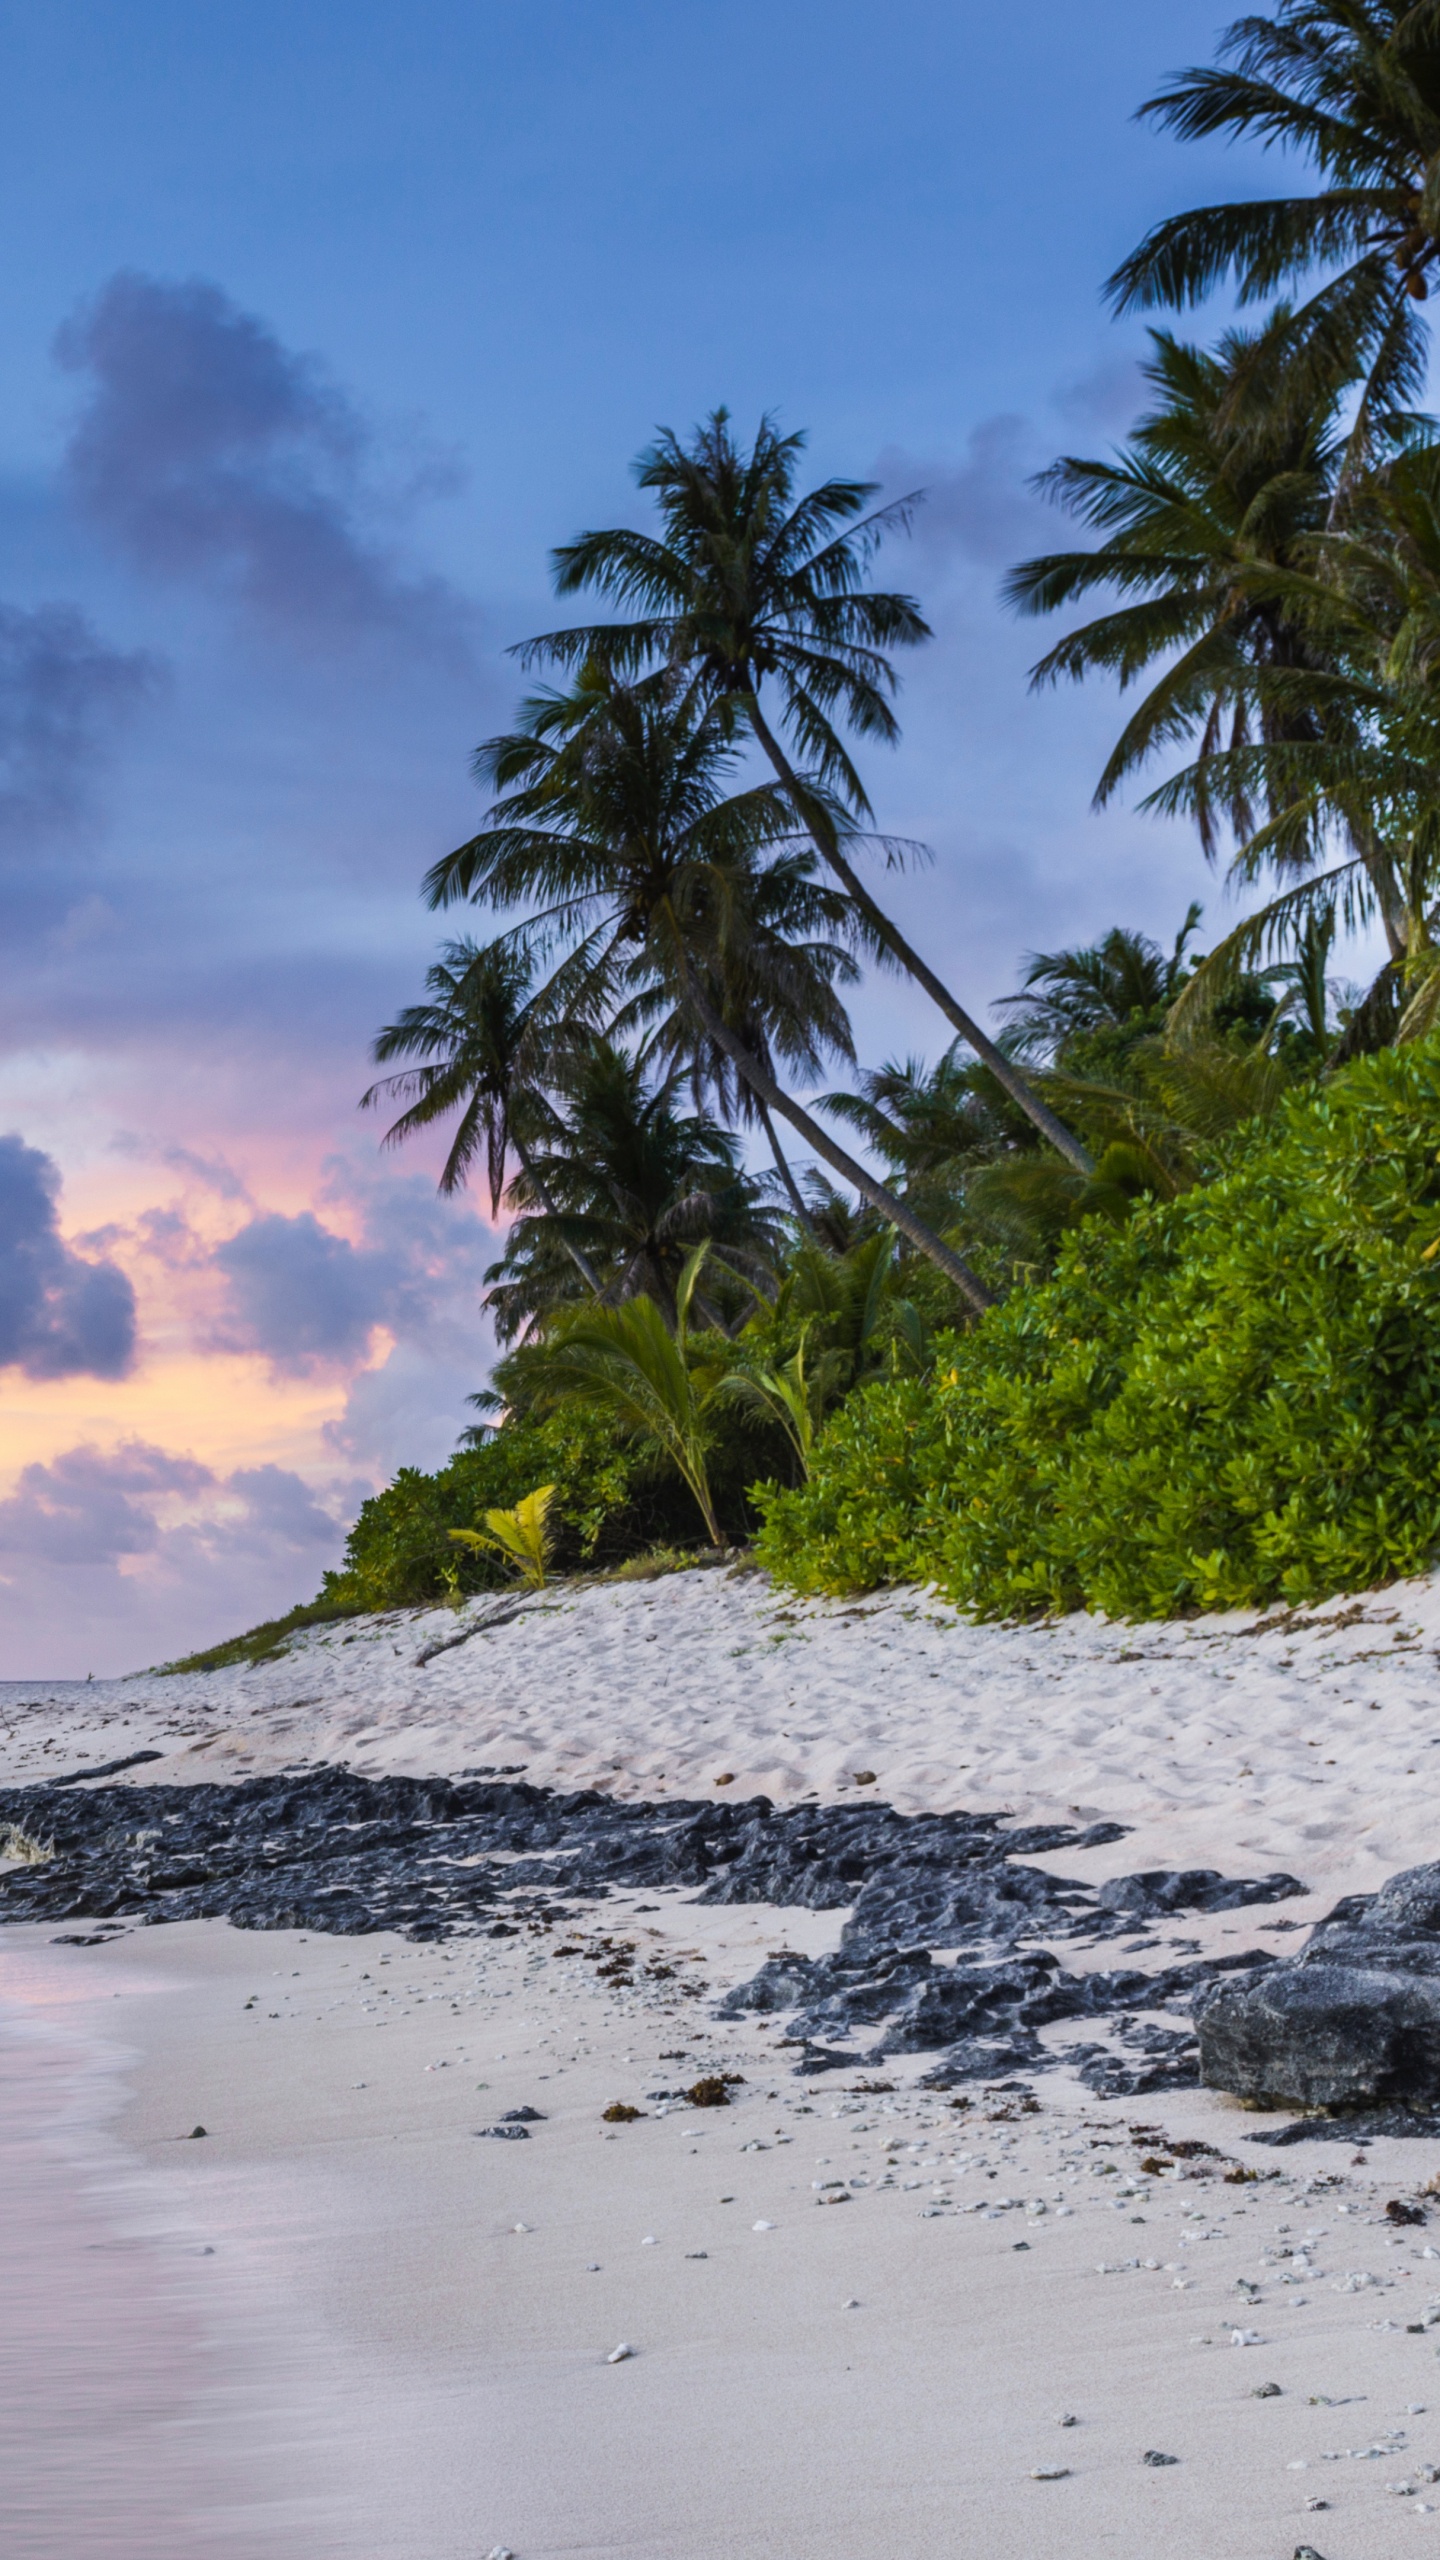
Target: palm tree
x=933, y=1127
x=632, y=1183
x=777, y=990
x=615, y=834
x=482, y=1042
x=1108, y=985
x=1197, y=512
x=1354, y=828
x=749, y=589
x=1354, y=87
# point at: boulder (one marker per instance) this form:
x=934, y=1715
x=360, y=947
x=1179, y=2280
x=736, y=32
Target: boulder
x=1352, y=2020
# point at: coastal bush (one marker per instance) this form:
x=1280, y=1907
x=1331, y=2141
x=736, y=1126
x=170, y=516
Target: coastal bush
x=611, y=1502
x=1233, y=1398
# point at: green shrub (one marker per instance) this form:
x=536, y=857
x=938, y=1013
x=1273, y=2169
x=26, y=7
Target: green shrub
x=610, y=1502
x=1231, y=1399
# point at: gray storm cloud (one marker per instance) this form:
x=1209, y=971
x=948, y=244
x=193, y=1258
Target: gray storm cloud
x=61, y=1315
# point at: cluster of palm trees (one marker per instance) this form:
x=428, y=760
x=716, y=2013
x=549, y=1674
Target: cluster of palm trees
x=679, y=845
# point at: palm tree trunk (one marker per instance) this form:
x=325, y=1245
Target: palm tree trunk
x=581, y=1261
x=782, y=1167
x=1001, y=1067
x=762, y=1084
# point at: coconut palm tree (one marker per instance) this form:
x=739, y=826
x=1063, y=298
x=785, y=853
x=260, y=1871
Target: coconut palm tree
x=1108, y=985
x=481, y=1043
x=1352, y=86
x=751, y=592
x=1354, y=829
x=1197, y=512
x=634, y=1185
x=615, y=834
x=778, y=989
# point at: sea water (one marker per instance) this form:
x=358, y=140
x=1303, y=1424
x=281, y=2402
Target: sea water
x=141, y=2414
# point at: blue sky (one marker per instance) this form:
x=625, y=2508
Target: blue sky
x=320, y=326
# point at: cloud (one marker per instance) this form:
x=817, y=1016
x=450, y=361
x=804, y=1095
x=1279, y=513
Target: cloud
x=64, y=696
x=981, y=509
x=208, y=451
x=280, y=1506
x=113, y=1557
x=80, y=1510
x=301, y=1294
x=60, y=1315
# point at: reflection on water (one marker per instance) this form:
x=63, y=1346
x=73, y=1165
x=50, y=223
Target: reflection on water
x=131, y=2426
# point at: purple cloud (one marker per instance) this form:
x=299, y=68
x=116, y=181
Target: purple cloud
x=208, y=451
x=81, y=1509
x=64, y=695
x=60, y=1315
x=94, y=1506
x=981, y=508
x=301, y=1294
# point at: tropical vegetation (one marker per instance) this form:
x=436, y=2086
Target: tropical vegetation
x=1128, y=1301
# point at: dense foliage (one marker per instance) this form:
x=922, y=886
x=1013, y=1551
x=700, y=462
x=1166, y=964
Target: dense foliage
x=1233, y=1397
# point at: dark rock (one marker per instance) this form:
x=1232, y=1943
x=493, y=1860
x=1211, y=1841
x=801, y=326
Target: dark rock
x=522, y=2115
x=1152, y=1895
x=328, y=1850
x=1353, y=2020
x=974, y=2059
x=106, y=1769
x=502, y=2132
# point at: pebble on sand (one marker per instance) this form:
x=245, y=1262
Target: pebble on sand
x=1159, y=2461
x=620, y=2354
x=1050, y=2471
x=762, y=2226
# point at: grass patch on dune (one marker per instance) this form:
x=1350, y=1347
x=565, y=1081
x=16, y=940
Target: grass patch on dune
x=267, y=1643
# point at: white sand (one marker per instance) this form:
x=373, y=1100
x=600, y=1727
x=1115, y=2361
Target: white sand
x=445, y=2379
x=1302, y=1740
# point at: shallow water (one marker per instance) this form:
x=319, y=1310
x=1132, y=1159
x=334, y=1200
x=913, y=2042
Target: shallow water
x=137, y=2421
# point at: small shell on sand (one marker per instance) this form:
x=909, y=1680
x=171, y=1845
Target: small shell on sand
x=620, y=2355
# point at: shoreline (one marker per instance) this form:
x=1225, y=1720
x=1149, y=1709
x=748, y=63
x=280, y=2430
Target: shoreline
x=411, y=2321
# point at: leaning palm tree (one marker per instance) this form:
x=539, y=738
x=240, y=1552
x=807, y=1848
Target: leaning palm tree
x=480, y=1044
x=1196, y=513
x=752, y=592
x=615, y=834
x=1354, y=87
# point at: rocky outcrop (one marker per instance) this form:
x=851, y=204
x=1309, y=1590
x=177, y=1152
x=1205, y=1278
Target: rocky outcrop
x=1353, y=2020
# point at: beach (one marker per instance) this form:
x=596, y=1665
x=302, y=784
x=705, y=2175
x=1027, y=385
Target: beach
x=383, y=2322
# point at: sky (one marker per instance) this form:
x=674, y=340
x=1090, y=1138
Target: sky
x=321, y=325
